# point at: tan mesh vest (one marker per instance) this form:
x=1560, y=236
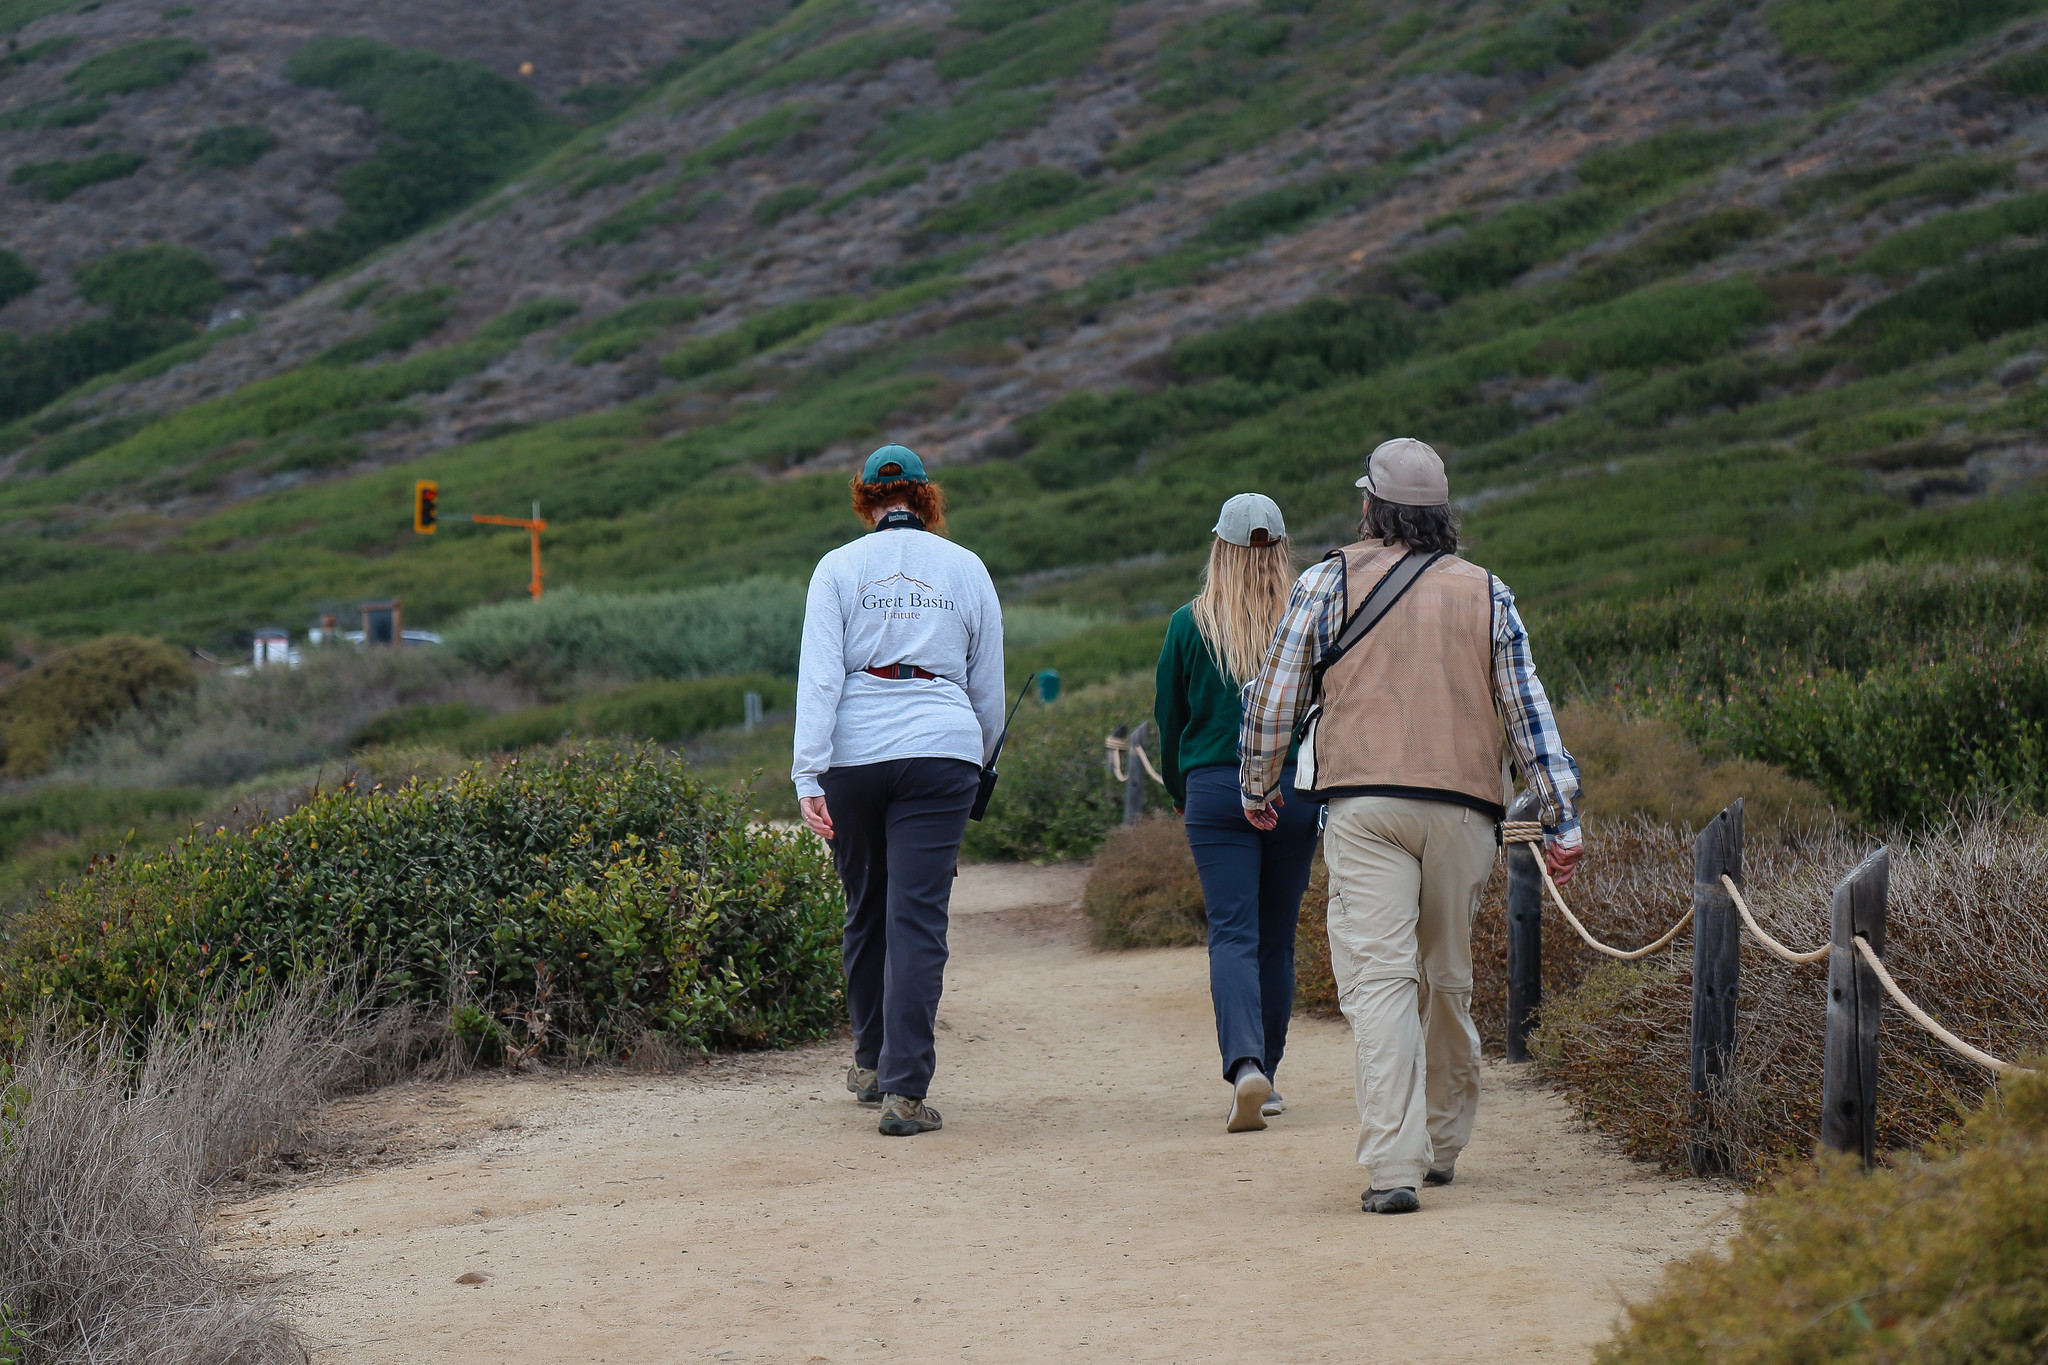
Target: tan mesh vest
x=1410, y=711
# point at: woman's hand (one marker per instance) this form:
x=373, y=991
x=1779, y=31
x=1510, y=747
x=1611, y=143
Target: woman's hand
x=817, y=817
x=1266, y=816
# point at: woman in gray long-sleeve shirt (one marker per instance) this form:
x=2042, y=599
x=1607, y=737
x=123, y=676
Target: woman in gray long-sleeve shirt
x=899, y=704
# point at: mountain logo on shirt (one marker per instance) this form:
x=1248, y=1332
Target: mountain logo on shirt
x=902, y=596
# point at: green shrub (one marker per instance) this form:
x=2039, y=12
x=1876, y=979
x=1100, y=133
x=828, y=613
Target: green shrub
x=524, y=319
x=758, y=136
x=452, y=129
x=655, y=208
x=1027, y=189
x=39, y=369
x=762, y=332
x=667, y=712
x=46, y=812
x=988, y=16
x=1864, y=39
x=867, y=50
x=1269, y=212
x=1055, y=799
x=15, y=58
x=16, y=279
x=1049, y=48
x=777, y=205
x=1662, y=159
x=602, y=887
x=753, y=625
x=1143, y=891
x=407, y=320
x=59, y=180
x=78, y=690
x=608, y=172
x=1219, y=57
x=57, y=113
x=617, y=335
x=1306, y=346
x=938, y=134
x=1934, y=1258
x=1948, y=180
x=233, y=146
x=1906, y=743
x=1948, y=238
x=1970, y=303
x=1086, y=438
x=895, y=179
x=159, y=281
x=425, y=721
x=2024, y=74
x=137, y=66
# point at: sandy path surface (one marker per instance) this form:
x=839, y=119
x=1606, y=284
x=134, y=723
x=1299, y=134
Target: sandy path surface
x=1083, y=1201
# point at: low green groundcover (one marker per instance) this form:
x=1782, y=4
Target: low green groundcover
x=601, y=888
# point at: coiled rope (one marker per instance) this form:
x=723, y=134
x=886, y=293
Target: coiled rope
x=1530, y=832
x=1117, y=747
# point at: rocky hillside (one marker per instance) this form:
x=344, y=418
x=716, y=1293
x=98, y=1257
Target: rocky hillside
x=1083, y=254
x=228, y=152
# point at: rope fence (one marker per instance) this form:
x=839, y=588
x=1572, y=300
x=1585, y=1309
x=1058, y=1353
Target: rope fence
x=1854, y=954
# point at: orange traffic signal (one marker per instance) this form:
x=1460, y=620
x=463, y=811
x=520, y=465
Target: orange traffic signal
x=426, y=498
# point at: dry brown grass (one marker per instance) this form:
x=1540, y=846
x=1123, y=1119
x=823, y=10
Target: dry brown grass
x=107, y=1168
x=1967, y=938
x=1638, y=767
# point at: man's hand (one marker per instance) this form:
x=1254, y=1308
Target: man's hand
x=1266, y=816
x=817, y=817
x=1562, y=862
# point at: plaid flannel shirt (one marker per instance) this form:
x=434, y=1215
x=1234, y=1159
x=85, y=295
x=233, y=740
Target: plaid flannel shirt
x=1274, y=700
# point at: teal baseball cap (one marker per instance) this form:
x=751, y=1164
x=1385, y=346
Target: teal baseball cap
x=894, y=464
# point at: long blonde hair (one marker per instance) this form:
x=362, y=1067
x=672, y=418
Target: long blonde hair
x=1244, y=592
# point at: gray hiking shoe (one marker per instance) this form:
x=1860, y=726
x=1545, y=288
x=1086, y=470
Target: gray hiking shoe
x=1247, y=1100
x=1443, y=1176
x=1389, y=1201
x=903, y=1116
x=861, y=1081
x=1274, y=1106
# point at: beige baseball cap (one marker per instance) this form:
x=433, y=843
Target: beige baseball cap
x=1407, y=473
x=1251, y=519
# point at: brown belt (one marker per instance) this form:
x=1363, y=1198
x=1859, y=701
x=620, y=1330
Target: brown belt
x=894, y=671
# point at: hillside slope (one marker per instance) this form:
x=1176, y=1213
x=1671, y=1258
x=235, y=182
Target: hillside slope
x=1765, y=269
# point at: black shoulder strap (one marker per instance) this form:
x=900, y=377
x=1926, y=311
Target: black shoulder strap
x=1385, y=593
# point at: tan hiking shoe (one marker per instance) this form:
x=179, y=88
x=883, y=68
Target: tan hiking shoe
x=861, y=1081
x=903, y=1116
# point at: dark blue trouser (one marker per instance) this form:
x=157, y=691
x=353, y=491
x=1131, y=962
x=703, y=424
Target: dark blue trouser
x=1252, y=882
x=896, y=830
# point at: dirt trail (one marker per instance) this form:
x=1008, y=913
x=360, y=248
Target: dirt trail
x=1083, y=1201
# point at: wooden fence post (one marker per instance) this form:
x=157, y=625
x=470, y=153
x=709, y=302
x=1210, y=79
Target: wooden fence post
x=1525, y=932
x=1134, y=774
x=1716, y=978
x=1848, y=1104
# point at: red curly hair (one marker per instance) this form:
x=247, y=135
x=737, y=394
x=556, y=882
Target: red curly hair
x=926, y=500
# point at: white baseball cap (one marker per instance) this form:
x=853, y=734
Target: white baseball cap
x=1407, y=473
x=1251, y=519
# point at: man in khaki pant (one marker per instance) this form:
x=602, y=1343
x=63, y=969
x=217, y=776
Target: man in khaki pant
x=1406, y=743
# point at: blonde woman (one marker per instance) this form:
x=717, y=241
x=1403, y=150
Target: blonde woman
x=1252, y=879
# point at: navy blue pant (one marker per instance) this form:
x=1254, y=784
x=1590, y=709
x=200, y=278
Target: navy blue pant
x=896, y=830
x=1252, y=882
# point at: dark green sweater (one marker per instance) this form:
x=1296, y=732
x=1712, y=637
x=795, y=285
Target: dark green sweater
x=1196, y=708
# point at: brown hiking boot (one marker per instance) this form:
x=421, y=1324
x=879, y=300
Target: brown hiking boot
x=861, y=1081
x=903, y=1116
